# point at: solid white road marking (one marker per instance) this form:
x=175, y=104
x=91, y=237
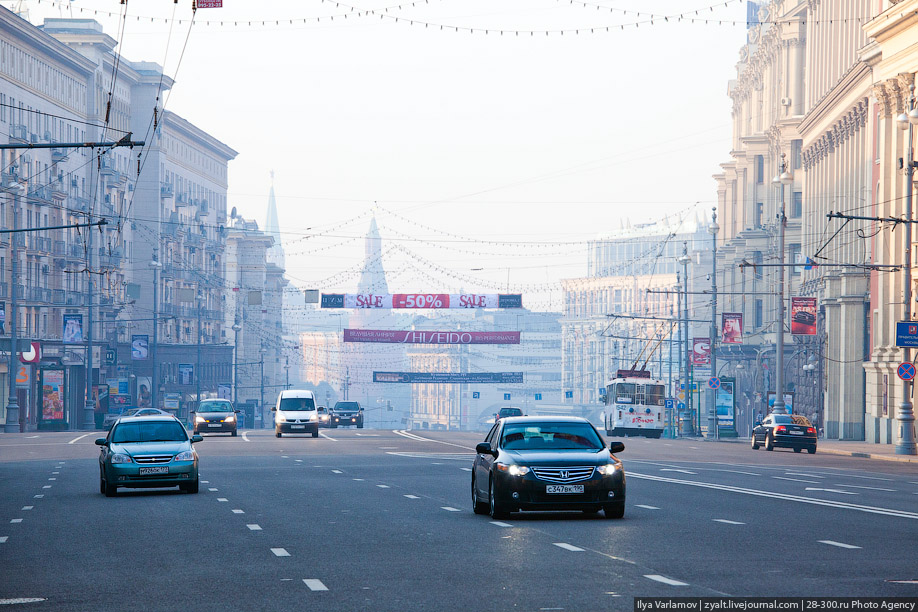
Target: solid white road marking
x=280, y=552
x=254, y=527
x=569, y=547
x=27, y=507
x=647, y=507
x=238, y=511
x=222, y=499
x=831, y=490
x=672, y=470
x=665, y=580
x=784, y=496
x=500, y=524
x=78, y=439
x=466, y=469
x=807, y=475
x=726, y=522
x=870, y=488
x=21, y=600
x=368, y=435
x=383, y=486
x=245, y=436
x=412, y=497
x=315, y=584
x=450, y=509
x=412, y=436
x=327, y=437
x=796, y=480
x=839, y=544
x=16, y=521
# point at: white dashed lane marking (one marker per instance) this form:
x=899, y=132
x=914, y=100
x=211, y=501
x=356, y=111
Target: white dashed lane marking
x=412, y=497
x=337, y=472
x=254, y=527
x=726, y=522
x=222, y=499
x=46, y=487
x=870, y=488
x=466, y=469
x=450, y=509
x=16, y=521
x=238, y=511
x=838, y=544
x=52, y=478
x=569, y=547
x=315, y=584
x=383, y=486
x=358, y=480
x=38, y=496
x=499, y=524
x=665, y=580
x=3, y=539
x=27, y=507
x=646, y=507
x=280, y=552
x=213, y=489
x=796, y=480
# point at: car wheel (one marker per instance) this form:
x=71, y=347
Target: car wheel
x=360, y=425
x=755, y=445
x=591, y=511
x=497, y=509
x=235, y=433
x=478, y=506
x=277, y=433
x=769, y=443
x=797, y=450
x=315, y=434
x=101, y=484
x=110, y=490
x=614, y=511
x=811, y=450
x=191, y=487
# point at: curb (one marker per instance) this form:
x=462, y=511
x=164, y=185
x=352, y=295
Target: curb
x=831, y=451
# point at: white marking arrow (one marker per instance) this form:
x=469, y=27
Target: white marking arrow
x=682, y=471
x=831, y=490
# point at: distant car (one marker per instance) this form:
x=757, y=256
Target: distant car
x=295, y=412
x=347, y=413
x=508, y=411
x=148, y=451
x=785, y=431
x=110, y=419
x=805, y=317
x=547, y=463
x=324, y=419
x=216, y=416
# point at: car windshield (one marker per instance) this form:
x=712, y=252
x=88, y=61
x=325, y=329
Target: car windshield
x=783, y=419
x=215, y=407
x=506, y=412
x=149, y=431
x=346, y=406
x=297, y=403
x=550, y=436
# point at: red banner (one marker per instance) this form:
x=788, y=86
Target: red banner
x=732, y=328
x=803, y=316
x=701, y=351
x=430, y=337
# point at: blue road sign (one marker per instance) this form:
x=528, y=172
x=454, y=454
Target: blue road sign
x=681, y=406
x=568, y=395
x=682, y=386
x=506, y=397
x=538, y=396
x=714, y=382
x=906, y=371
x=907, y=334
x=669, y=403
x=476, y=394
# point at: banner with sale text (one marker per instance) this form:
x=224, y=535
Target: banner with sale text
x=421, y=300
x=430, y=337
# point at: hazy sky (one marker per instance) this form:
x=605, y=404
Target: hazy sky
x=517, y=139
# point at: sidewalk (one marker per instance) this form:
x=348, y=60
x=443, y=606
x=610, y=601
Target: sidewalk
x=865, y=450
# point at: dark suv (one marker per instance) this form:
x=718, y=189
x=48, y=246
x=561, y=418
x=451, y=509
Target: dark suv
x=346, y=413
x=508, y=411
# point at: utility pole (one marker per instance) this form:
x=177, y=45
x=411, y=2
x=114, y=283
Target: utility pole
x=347, y=381
x=154, y=391
x=713, y=432
x=688, y=421
x=89, y=408
x=197, y=369
x=785, y=178
x=12, y=406
x=287, y=371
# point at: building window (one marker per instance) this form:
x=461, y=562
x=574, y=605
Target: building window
x=759, y=211
x=759, y=169
x=758, y=314
x=796, y=154
x=796, y=210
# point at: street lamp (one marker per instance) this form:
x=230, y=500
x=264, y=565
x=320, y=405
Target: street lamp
x=236, y=329
x=906, y=445
x=782, y=180
x=263, y=352
x=156, y=266
x=12, y=406
x=686, y=422
x=712, y=404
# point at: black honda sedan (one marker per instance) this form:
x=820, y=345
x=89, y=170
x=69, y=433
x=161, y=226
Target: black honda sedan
x=547, y=463
x=785, y=431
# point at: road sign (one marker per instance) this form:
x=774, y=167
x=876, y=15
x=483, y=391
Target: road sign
x=538, y=396
x=506, y=397
x=714, y=382
x=906, y=371
x=669, y=404
x=568, y=394
x=476, y=394
x=681, y=396
x=907, y=334
x=681, y=406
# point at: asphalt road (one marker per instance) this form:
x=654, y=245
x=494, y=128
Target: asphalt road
x=382, y=520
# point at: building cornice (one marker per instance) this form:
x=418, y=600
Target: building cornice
x=898, y=18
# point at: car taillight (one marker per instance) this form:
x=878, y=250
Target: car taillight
x=780, y=429
x=811, y=430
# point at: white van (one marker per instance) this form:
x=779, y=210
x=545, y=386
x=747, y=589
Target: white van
x=295, y=412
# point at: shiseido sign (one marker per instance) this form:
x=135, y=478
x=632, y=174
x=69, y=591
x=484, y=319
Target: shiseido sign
x=430, y=337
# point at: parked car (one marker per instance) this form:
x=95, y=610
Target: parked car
x=110, y=419
x=785, y=431
x=324, y=418
x=295, y=412
x=347, y=413
x=547, y=463
x=215, y=416
x=148, y=451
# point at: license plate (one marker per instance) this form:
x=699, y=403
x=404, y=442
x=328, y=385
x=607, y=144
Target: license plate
x=797, y=433
x=297, y=427
x=144, y=471
x=564, y=489
x=213, y=425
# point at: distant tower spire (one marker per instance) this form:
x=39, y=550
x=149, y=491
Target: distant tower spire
x=272, y=228
x=373, y=277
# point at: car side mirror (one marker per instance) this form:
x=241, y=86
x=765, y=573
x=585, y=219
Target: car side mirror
x=483, y=448
x=273, y=408
x=757, y=423
x=196, y=438
x=191, y=412
x=237, y=411
x=616, y=447
x=101, y=441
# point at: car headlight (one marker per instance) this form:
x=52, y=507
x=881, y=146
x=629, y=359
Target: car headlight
x=280, y=418
x=121, y=458
x=513, y=470
x=198, y=419
x=184, y=456
x=608, y=469
x=230, y=419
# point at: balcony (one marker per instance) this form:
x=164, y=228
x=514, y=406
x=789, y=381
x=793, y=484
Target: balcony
x=20, y=292
x=76, y=251
x=194, y=239
x=59, y=247
x=58, y=190
x=58, y=155
x=107, y=167
x=4, y=290
x=19, y=240
x=74, y=298
x=58, y=297
x=166, y=191
x=19, y=132
x=37, y=294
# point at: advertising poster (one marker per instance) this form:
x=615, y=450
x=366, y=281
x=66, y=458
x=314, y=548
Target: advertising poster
x=803, y=316
x=144, y=392
x=788, y=401
x=52, y=395
x=732, y=328
x=2, y=317
x=422, y=300
x=701, y=351
x=73, y=328
x=140, y=347
x=725, y=403
x=448, y=377
x=431, y=337
x=186, y=373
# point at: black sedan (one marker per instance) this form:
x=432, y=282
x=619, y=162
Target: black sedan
x=547, y=463
x=785, y=431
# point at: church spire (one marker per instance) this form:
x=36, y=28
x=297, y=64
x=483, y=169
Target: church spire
x=272, y=228
x=373, y=277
